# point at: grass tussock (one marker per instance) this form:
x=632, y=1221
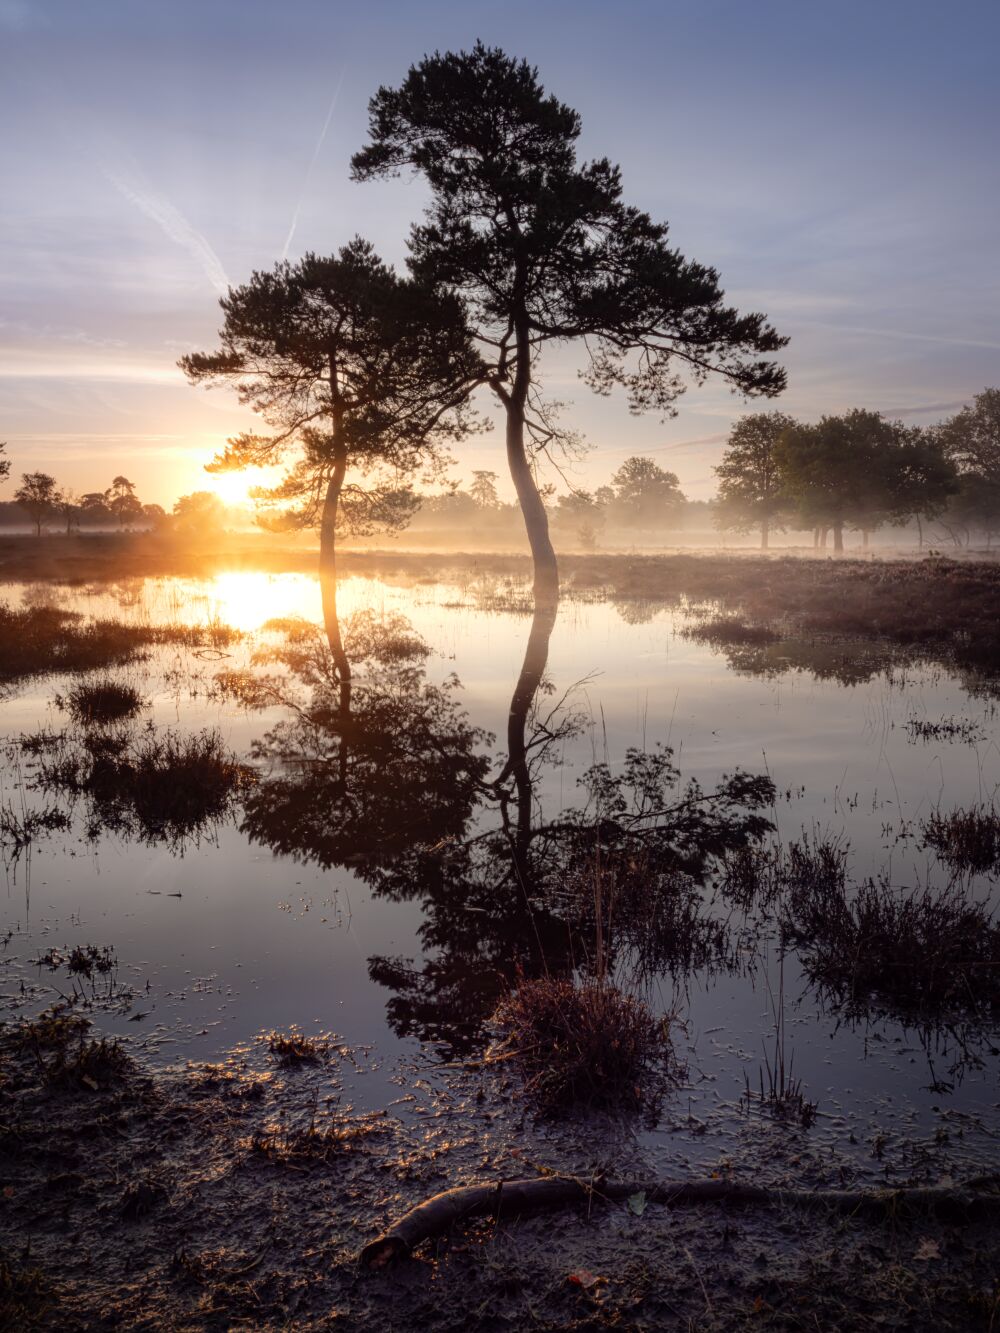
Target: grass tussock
x=65, y=1054
x=21, y=829
x=589, y=1046
x=968, y=841
x=101, y=702
x=814, y=869
x=295, y=1048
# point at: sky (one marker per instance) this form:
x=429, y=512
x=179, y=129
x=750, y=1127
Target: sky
x=836, y=162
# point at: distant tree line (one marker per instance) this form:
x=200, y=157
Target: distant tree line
x=854, y=472
x=859, y=471
x=45, y=504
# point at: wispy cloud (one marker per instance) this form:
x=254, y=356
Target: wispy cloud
x=904, y=334
x=312, y=163
x=175, y=225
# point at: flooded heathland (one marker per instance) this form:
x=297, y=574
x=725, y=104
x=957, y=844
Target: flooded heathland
x=434, y=879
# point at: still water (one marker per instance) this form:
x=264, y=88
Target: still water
x=327, y=907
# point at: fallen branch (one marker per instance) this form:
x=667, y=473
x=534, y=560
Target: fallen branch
x=511, y=1198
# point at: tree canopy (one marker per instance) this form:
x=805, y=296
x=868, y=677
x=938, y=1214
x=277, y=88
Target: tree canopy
x=352, y=366
x=644, y=494
x=751, y=483
x=972, y=436
x=543, y=248
x=122, y=501
x=37, y=496
x=843, y=471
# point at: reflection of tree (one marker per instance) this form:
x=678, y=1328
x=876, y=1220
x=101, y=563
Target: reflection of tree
x=752, y=650
x=384, y=773
x=367, y=768
x=613, y=883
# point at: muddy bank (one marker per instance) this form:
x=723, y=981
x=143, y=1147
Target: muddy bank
x=239, y=1196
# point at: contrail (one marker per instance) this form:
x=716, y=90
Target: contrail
x=895, y=333
x=312, y=164
x=177, y=227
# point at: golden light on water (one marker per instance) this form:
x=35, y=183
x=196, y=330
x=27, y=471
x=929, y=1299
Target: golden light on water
x=246, y=599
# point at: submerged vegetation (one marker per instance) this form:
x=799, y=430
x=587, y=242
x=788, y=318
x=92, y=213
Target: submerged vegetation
x=158, y=786
x=101, y=701
x=966, y=840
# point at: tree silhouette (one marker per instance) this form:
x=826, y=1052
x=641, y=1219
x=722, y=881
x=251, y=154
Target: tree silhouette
x=645, y=495
x=67, y=506
x=354, y=368
x=617, y=877
x=201, y=514
x=122, y=501
x=4, y=462
x=924, y=479
x=842, y=470
x=484, y=490
x=972, y=436
x=37, y=495
x=543, y=249
x=363, y=769
x=751, y=486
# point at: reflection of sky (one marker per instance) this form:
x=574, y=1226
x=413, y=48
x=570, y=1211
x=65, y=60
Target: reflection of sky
x=836, y=162
x=257, y=942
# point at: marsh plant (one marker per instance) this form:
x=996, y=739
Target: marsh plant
x=157, y=786
x=100, y=702
x=915, y=952
x=58, y=1042
x=968, y=841
x=587, y=1045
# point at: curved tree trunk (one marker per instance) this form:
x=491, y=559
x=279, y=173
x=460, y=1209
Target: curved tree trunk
x=838, y=538
x=536, y=521
x=328, y=563
x=865, y=535
x=533, y=668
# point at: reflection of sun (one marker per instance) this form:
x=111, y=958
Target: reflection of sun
x=244, y=599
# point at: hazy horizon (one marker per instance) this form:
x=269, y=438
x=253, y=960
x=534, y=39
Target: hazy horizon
x=824, y=162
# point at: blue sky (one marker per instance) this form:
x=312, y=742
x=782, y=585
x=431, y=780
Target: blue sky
x=836, y=162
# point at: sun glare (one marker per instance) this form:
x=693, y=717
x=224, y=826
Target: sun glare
x=233, y=488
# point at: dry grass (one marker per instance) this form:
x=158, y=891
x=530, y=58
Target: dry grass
x=295, y=1048
x=588, y=1045
x=42, y=640
x=65, y=1055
